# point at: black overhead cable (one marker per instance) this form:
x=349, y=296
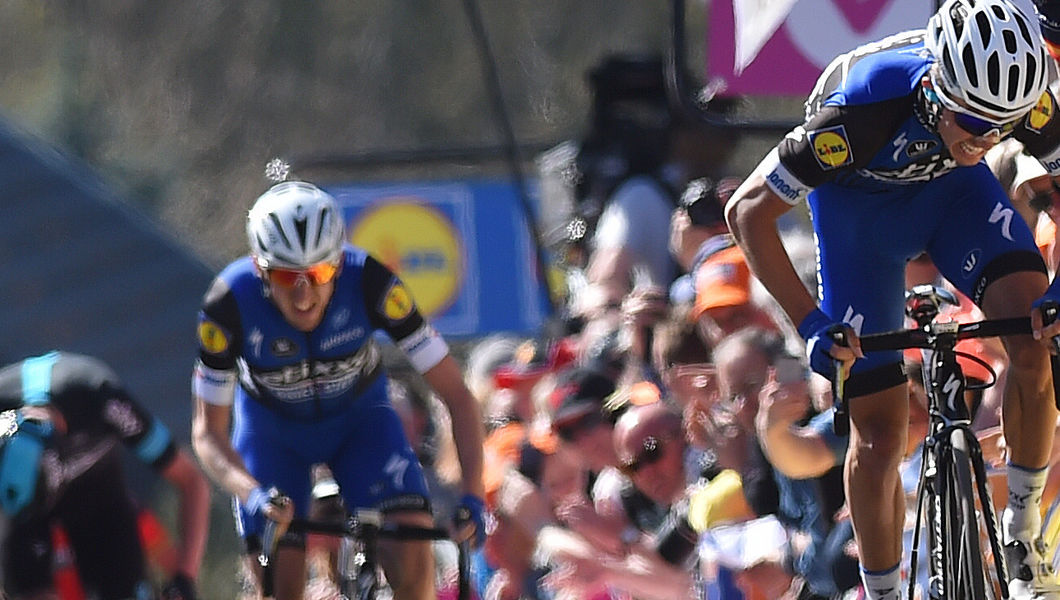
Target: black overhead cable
x=494, y=90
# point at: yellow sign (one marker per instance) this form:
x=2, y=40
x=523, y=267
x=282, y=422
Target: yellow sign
x=1042, y=113
x=212, y=338
x=831, y=148
x=420, y=245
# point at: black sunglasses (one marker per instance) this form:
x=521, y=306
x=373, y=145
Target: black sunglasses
x=650, y=453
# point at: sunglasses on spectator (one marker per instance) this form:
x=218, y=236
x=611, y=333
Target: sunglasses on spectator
x=318, y=274
x=570, y=430
x=650, y=452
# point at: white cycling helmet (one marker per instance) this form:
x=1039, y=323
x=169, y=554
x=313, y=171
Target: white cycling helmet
x=990, y=57
x=295, y=225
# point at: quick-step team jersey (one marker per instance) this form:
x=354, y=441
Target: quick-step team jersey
x=310, y=376
x=866, y=126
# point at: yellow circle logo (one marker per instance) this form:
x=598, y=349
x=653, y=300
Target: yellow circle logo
x=1042, y=112
x=831, y=149
x=420, y=245
x=398, y=303
x=212, y=338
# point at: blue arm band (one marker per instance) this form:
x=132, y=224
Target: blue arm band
x=154, y=443
x=813, y=322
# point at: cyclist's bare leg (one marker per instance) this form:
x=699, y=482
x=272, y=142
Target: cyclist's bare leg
x=409, y=565
x=879, y=425
x=288, y=571
x=1028, y=412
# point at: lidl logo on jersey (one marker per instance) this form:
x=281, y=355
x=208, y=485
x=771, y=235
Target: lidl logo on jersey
x=397, y=304
x=831, y=147
x=212, y=338
x=420, y=245
x=1042, y=113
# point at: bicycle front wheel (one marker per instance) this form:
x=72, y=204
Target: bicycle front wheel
x=963, y=572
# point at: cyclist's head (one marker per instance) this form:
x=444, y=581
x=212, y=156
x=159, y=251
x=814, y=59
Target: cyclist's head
x=21, y=448
x=991, y=60
x=295, y=225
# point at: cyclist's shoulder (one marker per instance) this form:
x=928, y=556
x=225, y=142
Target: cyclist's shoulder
x=875, y=72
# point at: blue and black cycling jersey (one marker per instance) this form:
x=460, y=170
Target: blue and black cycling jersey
x=883, y=188
x=307, y=376
x=869, y=127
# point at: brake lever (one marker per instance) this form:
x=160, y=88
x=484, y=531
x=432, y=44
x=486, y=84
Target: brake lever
x=840, y=415
x=1050, y=310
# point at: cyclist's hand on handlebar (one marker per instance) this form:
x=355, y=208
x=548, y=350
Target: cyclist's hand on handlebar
x=1044, y=322
x=828, y=341
x=470, y=519
x=273, y=505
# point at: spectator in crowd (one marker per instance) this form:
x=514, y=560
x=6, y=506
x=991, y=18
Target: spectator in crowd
x=57, y=465
x=716, y=280
x=749, y=363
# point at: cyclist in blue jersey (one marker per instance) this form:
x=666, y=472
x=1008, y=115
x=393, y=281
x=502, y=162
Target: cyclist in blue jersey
x=889, y=159
x=59, y=465
x=290, y=375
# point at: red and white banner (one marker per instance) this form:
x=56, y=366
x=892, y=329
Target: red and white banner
x=779, y=47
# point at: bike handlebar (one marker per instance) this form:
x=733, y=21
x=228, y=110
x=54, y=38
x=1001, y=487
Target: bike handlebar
x=393, y=531
x=921, y=338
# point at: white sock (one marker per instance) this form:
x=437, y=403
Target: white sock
x=1022, y=518
x=883, y=585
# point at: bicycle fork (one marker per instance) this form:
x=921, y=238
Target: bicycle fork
x=928, y=490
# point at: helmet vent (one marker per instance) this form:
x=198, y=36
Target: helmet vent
x=322, y=224
x=947, y=64
x=982, y=22
x=300, y=228
x=993, y=74
x=1022, y=24
x=1009, y=37
x=278, y=228
x=1032, y=75
x=957, y=19
x=968, y=57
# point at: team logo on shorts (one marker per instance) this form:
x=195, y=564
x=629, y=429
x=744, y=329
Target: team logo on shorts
x=398, y=302
x=831, y=148
x=1042, y=113
x=970, y=262
x=212, y=338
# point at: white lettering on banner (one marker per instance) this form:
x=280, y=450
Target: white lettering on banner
x=1004, y=215
x=810, y=22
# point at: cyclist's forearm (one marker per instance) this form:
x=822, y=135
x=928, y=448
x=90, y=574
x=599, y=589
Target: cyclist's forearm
x=752, y=219
x=216, y=455
x=468, y=432
x=194, y=515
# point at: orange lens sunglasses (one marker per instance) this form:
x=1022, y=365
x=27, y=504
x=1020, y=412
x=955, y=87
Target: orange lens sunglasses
x=318, y=274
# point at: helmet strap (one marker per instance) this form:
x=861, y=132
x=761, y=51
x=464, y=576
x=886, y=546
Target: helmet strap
x=928, y=109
